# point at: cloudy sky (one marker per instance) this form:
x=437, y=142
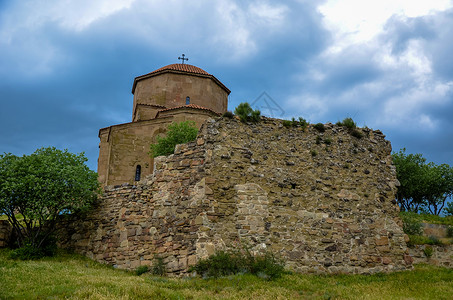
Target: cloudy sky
x=67, y=66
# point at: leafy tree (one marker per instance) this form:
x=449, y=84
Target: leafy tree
x=409, y=171
x=42, y=186
x=247, y=114
x=449, y=209
x=423, y=185
x=178, y=133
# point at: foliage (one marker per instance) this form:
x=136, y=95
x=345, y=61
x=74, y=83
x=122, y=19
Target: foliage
x=450, y=231
x=348, y=123
x=41, y=187
x=287, y=123
x=422, y=185
x=448, y=210
x=356, y=133
x=178, y=133
x=69, y=276
x=351, y=126
x=320, y=127
x=141, y=270
x=313, y=153
x=224, y=263
x=327, y=141
x=158, y=266
x=228, y=114
x=303, y=123
x=28, y=251
x=411, y=224
x=247, y=114
x=428, y=251
x=318, y=140
x=428, y=218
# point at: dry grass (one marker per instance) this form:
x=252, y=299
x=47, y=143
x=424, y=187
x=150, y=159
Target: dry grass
x=74, y=277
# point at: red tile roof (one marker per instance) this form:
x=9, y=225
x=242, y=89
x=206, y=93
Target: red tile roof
x=180, y=68
x=191, y=106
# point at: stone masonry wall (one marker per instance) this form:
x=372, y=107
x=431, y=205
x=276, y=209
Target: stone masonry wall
x=441, y=255
x=322, y=200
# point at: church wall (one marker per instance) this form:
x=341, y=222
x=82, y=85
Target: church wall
x=171, y=90
x=329, y=212
x=123, y=147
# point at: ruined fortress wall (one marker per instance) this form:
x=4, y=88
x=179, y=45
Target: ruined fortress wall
x=323, y=201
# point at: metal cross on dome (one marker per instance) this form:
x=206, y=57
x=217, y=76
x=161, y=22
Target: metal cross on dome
x=183, y=59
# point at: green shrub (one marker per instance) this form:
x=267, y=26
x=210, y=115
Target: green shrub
x=29, y=252
x=423, y=240
x=318, y=140
x=141, y=270
x=228, y=114
x=449, y=209
x=348, y=123
x=428, y=251
x=356, y=133
x=411, y=224
x=178, y=133
x=327, y=141
x=287, y=123
x=158, y=266
x=434, y=240
x=320, y=127
x=450, y=231
x=246, y=113
x=303, y=123
x=314, y=153
x=224, y=263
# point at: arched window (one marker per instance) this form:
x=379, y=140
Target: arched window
x=187, y=100
x=138, y=171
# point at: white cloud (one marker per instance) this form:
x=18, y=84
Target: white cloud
x=359, y=21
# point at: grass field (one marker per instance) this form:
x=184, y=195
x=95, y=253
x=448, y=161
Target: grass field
x=74, y=277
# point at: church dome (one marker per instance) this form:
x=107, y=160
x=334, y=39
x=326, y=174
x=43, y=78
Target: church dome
x=184, y=69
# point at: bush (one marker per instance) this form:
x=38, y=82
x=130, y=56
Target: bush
x=287, y=123
x=433, y=240
x=224, y=263
x=318, y=140
x=320, y=127
x=28, y=251
x=141, y=270
x=411, y=224
x=449, y=209
x=247, y=114
x=327, y=141
x=428, y=251
x=303, y=123
x=158, y=266
x=228, y=114
x=294, y=123
x=178, y=133
x=348, y=123
x=314, y=153
x=356, y=133
x=450, y=231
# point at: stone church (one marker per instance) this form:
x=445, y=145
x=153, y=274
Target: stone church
x=174, y=93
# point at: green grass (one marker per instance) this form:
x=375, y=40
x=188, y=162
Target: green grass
x=428, y=218
x=5, y=217
x=75, y=277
